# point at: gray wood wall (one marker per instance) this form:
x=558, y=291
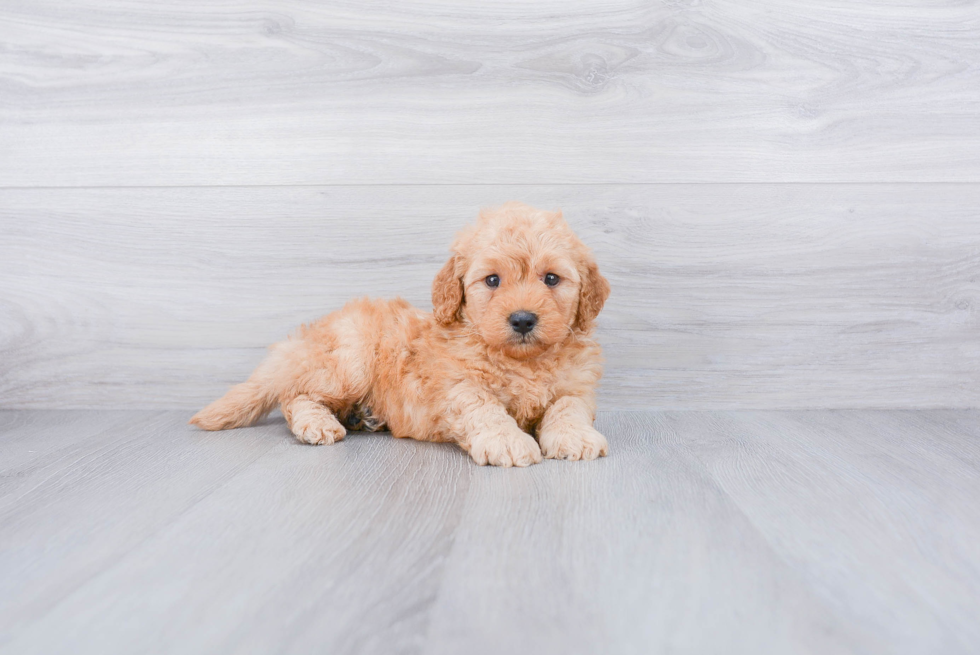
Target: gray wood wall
x=785, y=196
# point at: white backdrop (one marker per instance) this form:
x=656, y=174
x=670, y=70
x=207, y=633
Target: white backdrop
x=786, y=198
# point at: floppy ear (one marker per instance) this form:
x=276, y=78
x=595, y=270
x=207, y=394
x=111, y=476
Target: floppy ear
x=447, y=292
x=592, y=296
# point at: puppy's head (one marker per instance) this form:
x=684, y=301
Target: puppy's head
x=522, y=279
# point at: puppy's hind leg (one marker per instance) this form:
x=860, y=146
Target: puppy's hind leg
x=282, y=376
x=331, y=365
x=311, y=421
x=321, y=371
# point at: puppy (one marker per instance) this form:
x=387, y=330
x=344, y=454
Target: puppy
x=507, y=353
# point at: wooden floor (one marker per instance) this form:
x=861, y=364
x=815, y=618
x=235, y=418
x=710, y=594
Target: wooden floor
x=725, y=532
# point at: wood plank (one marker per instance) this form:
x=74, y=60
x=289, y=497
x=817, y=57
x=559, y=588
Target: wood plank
x=119, y=92
x=39, y=446
x=87, y=505
x=724, y=296
x=298, y=547
x=873, y=509
x=728, y=532
x=639, y=552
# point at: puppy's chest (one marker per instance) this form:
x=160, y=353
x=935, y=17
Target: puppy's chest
x=527, y=395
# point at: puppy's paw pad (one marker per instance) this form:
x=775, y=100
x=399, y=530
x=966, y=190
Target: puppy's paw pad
x=318, y=430
x=506, y=450
x=583, y=443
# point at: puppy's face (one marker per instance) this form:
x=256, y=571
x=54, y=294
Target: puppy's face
x=521, y=279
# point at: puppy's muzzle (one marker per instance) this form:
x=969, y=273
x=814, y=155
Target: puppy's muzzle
x=523, y=322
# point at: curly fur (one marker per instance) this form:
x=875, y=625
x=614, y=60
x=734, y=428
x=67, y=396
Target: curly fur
x=460, y=374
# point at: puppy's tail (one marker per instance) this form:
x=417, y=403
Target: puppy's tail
x=243, y=405
x=246, y=403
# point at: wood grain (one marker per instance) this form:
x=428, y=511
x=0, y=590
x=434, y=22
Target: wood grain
x=95, y=495
x=724, y=296
x=119, y=92
x=708, y=532
x=824, y=488
x=638, y=553
x=288, y=546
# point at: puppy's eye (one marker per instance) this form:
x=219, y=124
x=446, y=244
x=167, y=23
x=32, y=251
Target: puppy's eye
x=493, y=281
x=551, y=279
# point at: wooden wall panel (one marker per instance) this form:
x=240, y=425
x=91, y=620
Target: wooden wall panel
x=124, y=92
x=723, y=295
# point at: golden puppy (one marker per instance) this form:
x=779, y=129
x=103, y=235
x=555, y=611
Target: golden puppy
x=507, y=352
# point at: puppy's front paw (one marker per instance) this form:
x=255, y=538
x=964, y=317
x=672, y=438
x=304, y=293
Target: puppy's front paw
x=509, y=448
x=573, y=442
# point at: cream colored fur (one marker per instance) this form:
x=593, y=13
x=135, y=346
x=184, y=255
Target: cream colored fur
x=460, y=374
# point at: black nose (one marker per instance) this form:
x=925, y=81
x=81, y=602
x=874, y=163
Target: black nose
x=523, y=322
